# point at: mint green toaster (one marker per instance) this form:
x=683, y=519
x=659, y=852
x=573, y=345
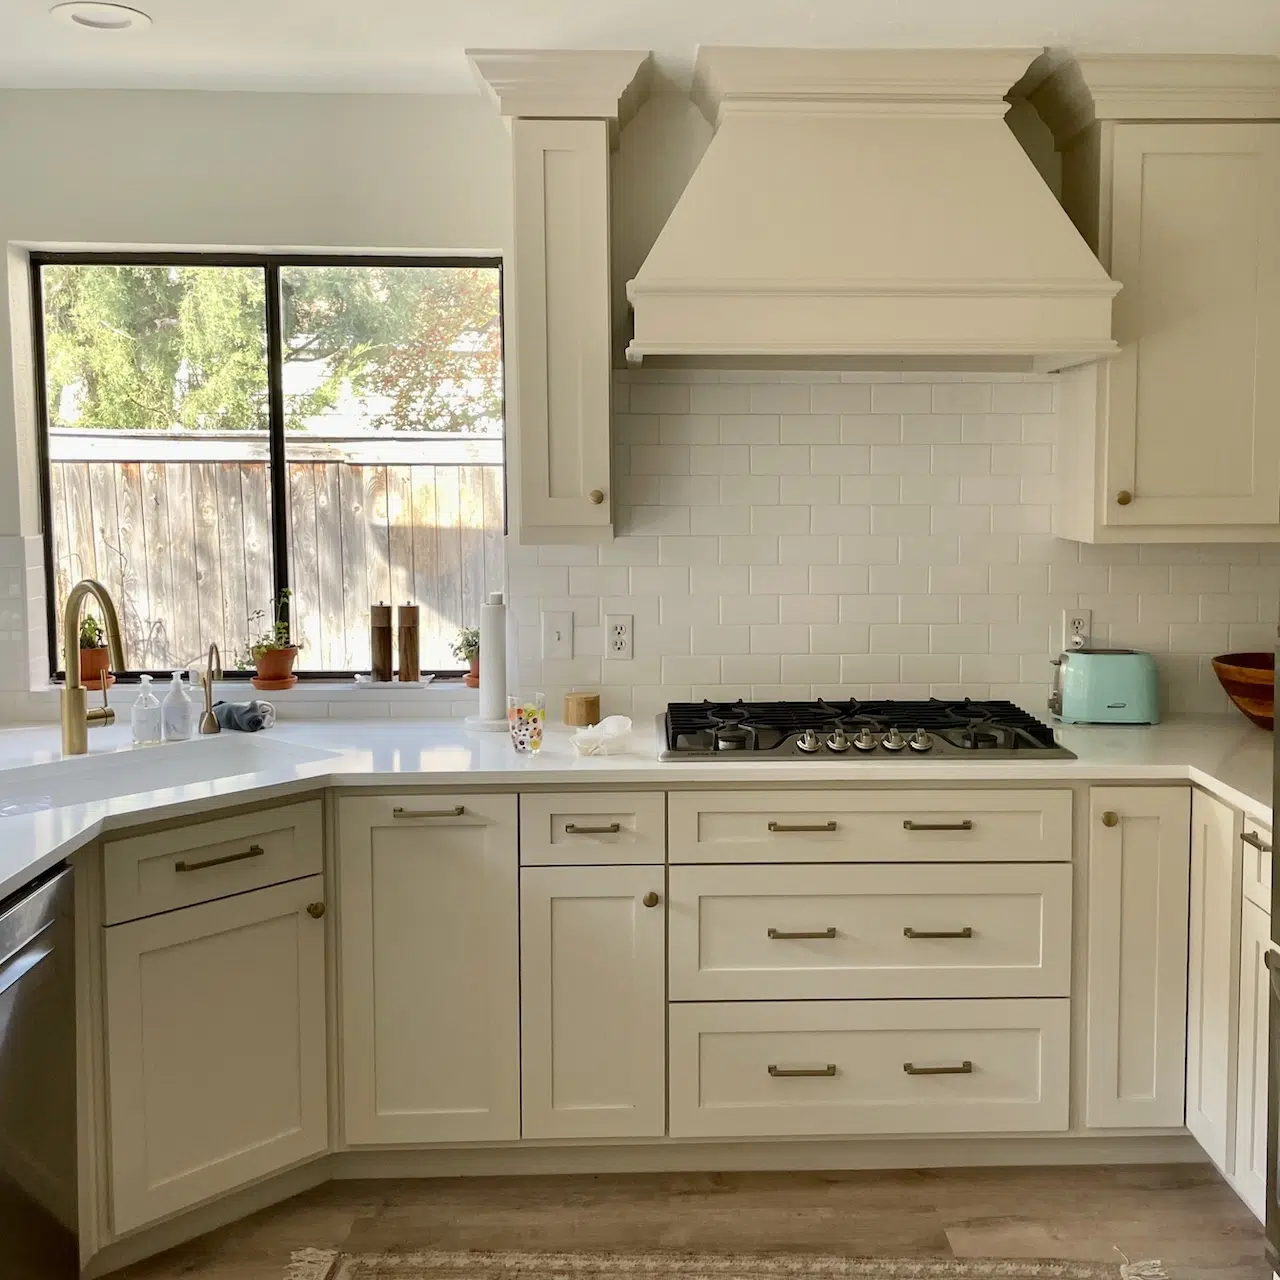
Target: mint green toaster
x=1105, y=686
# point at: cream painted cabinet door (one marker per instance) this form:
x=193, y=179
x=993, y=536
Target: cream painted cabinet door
x=1213, y=977
x=1249, y=1177
x=215, y=1048
x=593, y=1001
x=429, y=968
x=1193, y=400
x=1136, y=1015
x=561, y=336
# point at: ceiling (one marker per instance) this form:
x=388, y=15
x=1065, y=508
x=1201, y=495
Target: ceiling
x=416, y=45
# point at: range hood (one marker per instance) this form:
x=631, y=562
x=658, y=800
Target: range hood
x=857, y=207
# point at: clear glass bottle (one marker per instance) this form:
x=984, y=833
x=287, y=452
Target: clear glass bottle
x=146, y=716
x=177, y=711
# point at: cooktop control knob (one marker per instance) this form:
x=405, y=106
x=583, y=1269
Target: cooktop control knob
x=865, y=740
x=893, y=741
x=808, y=742
x=838, y=741
x=921, y=741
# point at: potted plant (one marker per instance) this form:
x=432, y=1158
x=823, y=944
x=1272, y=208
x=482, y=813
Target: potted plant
x=273, y=652
x=466, y=648
x=94, y=656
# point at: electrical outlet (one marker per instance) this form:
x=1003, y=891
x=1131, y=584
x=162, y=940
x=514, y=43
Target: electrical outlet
x=617, y=637
x=557, y=635
x=1077, y=627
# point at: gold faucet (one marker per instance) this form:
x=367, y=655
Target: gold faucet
x=212, y=671
x=77, y=719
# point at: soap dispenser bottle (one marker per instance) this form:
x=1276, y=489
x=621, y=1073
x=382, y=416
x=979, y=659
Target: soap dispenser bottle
x=146, y=716
x=177, y=711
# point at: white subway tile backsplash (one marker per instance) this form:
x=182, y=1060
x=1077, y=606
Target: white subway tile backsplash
x=962, y=397
x=756, y=491
x=1022, y=397
x=780, y=397
x=813, y=428
x=899, y=639
x=749, y=429
x=906, y=397
x=870, y=428
x=792, y=518
x=780, y=460
x=812, y=490
x=840, y=397
x=749, y=609
x=718, y=398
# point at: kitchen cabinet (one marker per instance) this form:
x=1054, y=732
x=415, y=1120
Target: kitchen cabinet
x=215, y=1054
x=1249, y=1174
x=1213, y=973
x=1174, y=439
x=429, y=968
x=1136, y=988
x=593, y=1001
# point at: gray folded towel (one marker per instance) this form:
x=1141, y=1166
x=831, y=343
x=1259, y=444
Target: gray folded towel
x=248, y=717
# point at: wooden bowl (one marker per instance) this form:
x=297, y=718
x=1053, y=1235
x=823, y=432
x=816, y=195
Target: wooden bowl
x=1250, y=682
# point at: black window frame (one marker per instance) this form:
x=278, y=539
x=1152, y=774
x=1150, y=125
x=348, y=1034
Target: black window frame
x=270, y=264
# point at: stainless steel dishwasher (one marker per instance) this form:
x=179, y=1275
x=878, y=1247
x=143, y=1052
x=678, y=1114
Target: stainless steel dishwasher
x=38, y=1080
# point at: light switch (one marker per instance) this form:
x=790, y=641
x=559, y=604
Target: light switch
x=557, y=635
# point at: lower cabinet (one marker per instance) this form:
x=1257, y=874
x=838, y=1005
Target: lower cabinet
x=429, y=968
x=593, y=1001
x=1249, y=1174
x=1136, y=989
x=215, y=1020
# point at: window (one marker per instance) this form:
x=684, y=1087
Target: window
x=219, y=430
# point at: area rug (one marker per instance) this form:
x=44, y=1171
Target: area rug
x=324, y=1264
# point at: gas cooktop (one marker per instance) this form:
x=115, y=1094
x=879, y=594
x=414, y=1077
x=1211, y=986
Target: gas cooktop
x=854, y=730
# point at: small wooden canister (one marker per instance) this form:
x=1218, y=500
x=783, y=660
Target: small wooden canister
x=410, y=666
x=581, y=709
x=380, y=641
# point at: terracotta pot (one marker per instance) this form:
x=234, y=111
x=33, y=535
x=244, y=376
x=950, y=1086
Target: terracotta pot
x=472, y=678
x=275, y=669
x=93, y=668
x=1250, y=682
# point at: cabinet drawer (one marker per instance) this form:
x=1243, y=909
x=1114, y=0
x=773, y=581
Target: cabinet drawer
x=145, y=875
x=870, y=826
x=592, y=828
x=869, y=932
x=869, y=1067
x=1256, y=842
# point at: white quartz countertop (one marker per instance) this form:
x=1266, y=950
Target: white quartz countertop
x=56, y=807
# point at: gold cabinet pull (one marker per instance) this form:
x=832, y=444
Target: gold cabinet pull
x=1253, y=838
x=253, y=851
x=964, y=1069
x=1111, y=818
x=315, y=910
x=596, y=496
x=781, y=1073
x=829, y=932
x=912, y=825
x=802, y=826
x=1124, y=497
x=909, y=932
x=651, y=899
x=456, y=812
x=572, y=829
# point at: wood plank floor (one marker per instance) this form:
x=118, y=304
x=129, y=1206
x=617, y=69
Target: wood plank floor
x=1184, y=1215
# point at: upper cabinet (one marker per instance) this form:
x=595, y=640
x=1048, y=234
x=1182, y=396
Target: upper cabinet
x=564, y=109
x=1171, y=170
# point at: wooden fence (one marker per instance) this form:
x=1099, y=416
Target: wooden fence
x=179, y=531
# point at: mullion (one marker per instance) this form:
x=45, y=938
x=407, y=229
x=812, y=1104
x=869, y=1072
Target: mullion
x=278, y=464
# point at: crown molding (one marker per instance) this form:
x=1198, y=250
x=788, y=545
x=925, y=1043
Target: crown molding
x=1158, y=87
x=573, y=84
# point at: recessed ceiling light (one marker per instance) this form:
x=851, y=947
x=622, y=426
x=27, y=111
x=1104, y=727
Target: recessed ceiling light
x=101, y=15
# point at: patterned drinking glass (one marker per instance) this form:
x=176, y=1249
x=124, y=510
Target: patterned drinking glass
x=526, y=716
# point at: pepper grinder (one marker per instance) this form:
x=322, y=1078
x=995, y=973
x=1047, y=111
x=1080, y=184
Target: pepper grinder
x=380, y=642
x=407, y=623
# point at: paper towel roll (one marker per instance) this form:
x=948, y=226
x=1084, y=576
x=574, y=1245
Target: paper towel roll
x=493, y=658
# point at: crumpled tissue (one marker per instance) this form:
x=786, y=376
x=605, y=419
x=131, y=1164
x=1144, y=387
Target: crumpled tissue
x=611, y=737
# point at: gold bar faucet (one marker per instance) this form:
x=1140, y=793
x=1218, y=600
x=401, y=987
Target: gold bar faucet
x=77, y=719
x=212, y=671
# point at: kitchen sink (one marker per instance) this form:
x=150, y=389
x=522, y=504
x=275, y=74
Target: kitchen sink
x=109, y=775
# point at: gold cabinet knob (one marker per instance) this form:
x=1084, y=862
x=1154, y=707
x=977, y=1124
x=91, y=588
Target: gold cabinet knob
x=596, y=496
x=1124, y=497
x=651, y=899
x=315, y=910
x=1110, y=818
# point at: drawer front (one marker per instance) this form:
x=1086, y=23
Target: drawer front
x=869, y=932
x=145, y=875
x=1256, y=842
x=869, y=1067
x=870, y=826
x=593, y=828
